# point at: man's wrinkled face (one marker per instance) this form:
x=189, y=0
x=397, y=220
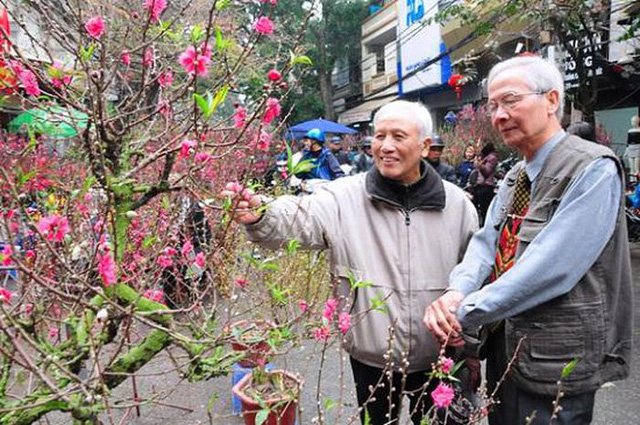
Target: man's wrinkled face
x=397, y=148
x=521, y=115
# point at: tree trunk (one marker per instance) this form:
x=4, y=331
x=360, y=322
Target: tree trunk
x=326, y=91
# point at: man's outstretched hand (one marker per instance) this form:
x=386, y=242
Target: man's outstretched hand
x=245, y=203
x=440, y=318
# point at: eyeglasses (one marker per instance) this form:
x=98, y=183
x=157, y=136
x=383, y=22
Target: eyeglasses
x=509, y=101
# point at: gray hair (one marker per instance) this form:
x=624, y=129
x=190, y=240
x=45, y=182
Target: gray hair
x=540, y=74
x=415, y=111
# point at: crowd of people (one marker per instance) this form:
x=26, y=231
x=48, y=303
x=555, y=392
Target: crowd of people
x=533, y=288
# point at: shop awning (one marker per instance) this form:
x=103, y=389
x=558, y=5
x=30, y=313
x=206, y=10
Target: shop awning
x=363, y=112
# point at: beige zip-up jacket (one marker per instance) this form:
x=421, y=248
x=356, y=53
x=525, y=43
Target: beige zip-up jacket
x=404, y=240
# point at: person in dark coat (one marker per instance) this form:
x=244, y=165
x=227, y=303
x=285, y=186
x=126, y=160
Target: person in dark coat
x=484, y=189
x=433, y=154
x=326, y=166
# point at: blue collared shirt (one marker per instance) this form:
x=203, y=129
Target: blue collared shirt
x=555, y=260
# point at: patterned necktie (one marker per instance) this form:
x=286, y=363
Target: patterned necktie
x=521, y=194
x=508, y=239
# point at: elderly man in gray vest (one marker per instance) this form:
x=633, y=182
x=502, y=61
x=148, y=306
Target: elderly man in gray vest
x=399, y=227
x=550, y=269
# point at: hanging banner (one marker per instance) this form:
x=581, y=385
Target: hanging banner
x=417, y=44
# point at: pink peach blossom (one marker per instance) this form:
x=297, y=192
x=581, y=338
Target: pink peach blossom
x=446, y=365
x=200, y=260
x=303, y=306
x=164, y=261
x=187, y=147
x=53, y=227
x=241, y=283
x=263, y=26
x=125, y=57
x=149, y=57
x=240, y=116
x=107, y=269
x=165, y=79
x=155, y=8
x=5, y=255
x=95, y=27
x=443, y=395
x=274, y=75
x=187, y=249
x=203, y=156
x=6, y=295
x=322, y=333
x=272, y=111
x=264, y=141
x=344, y=322
x=329, y=308
x=194, y=62
x=155, y=295
x=29, y=82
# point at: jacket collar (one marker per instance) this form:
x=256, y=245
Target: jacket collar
x=427, y=193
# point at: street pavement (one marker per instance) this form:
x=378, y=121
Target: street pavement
x=327, y=377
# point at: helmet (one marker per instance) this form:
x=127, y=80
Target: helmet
x=316, y=134
x=366, y=143
x=335, y=139
x=436, y=141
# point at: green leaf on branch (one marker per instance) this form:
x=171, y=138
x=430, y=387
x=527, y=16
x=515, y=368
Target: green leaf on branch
x=304, y=166
x=197, y=34
x=300, y=60
x=568, y=369
x=212, y=400
x=378, y=303
x=222, y=4
x=261, y=416
x=220, y=97
x=149, y=240
x=354, y=283
x=329, y=404
x=292, y=246
x=221, y=43
x=87, y=54
x=210, y=104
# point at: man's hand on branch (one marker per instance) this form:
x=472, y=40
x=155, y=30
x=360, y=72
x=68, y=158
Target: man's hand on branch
x=440, y=318
x=245, y=203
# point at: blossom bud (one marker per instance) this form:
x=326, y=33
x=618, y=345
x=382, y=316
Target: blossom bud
x=131, y=214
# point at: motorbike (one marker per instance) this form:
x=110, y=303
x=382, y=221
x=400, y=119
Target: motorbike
x=633, y=223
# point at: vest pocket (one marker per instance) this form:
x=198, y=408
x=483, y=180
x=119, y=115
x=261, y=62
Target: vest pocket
x=555, y=338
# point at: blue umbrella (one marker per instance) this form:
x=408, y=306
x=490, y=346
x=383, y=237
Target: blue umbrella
x=299, y=130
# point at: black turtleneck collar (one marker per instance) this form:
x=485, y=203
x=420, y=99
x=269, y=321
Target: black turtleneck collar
x=427, y=193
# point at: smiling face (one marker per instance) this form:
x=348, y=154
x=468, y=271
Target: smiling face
x=525, y=119
x=397, y=148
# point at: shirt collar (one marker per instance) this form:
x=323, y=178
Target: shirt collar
x=534, y=166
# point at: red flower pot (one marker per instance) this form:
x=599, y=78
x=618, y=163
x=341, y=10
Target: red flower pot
x=252, y=339
x=281, y=404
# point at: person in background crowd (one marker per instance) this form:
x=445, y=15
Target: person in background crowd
x=485, y=186
x=398, y=225
x=465, y=168
x=326, y=166
x=549, y=274
x=364, y=160
x=633, y=148
x=583, y=130
x=335, y=145
x=433, y=154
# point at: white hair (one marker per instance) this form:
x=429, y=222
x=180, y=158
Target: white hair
x=541, y=75
x=415, y=111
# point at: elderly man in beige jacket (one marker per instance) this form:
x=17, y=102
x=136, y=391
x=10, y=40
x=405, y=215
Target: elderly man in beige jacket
x=398, y=226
